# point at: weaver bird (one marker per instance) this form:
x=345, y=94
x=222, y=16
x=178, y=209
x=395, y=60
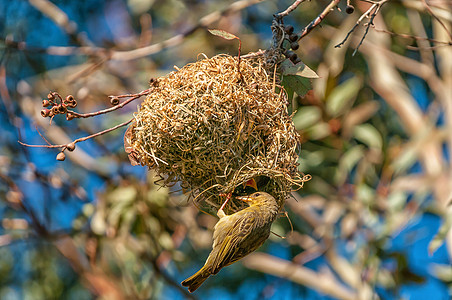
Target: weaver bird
x=237, y=235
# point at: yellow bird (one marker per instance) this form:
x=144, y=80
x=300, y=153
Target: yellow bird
x=237, y=235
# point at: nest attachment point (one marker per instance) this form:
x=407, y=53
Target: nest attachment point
x=213, y=125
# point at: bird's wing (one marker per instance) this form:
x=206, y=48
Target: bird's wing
x=231, y=249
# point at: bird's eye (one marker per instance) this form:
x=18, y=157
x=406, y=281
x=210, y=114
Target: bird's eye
x=257, y=194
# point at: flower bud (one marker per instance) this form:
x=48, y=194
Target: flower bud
x=51, y=96
x=45, y=112
x=70, y=147
x=61, y=156
x=55, y=110
x=72, y=104
x=69, y=116
x=62, y=109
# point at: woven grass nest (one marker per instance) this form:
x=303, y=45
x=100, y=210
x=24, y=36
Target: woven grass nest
x=213, y=125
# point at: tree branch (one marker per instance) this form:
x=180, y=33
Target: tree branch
x=289, y=9
x=319, y=19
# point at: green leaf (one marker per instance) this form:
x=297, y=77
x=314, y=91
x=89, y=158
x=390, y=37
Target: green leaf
x=166, y=241
x=318, y=131
x=98, y=225
x=396, y=201
x=347, y=162
x=223, y=34
x=123, y=194
x=311, y=159
x=307, y=116
x=343, y=96
x=365, y=194
x=404, y=160
x=369, y=135
x=297, y=84
x=300, y=69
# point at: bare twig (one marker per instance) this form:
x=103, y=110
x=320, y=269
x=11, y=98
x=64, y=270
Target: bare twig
x=387, y=82
x=80, y=139
x=99, y=282
x=60, y=18
x=441, y=12
x=289, y=9
x=105, y=111
x=414, y=37
x=203, y=23
x=319, y=19
x=43, y=137
x=139, y=52
x=371, y=13
x=169, y=280
x=368, y=25
x=430, y=11
x=5, y=96
x=324, y=282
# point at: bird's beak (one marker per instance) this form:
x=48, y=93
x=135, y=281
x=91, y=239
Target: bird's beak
x=252, y=183
x=244, y=198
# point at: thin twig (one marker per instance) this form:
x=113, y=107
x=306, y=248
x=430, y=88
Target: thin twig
x=171, y=282
x=430, y=11
x=80, y=139
x=60, y=18
x=289, y=9
x=326, y=283
x=104, y=111
x=319, y=19
x=376, y=6
x=139, y=52
x=417, y=38
x=414, y=37
x=364, y=15
x=203, y=23
x=37, y=129
x=370, y=24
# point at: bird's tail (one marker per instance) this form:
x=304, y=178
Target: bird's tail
x=193, y=282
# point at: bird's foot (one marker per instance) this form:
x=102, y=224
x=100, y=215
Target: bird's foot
x=220, y=212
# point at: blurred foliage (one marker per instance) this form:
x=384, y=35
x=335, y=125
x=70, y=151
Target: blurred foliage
x=374, y=222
